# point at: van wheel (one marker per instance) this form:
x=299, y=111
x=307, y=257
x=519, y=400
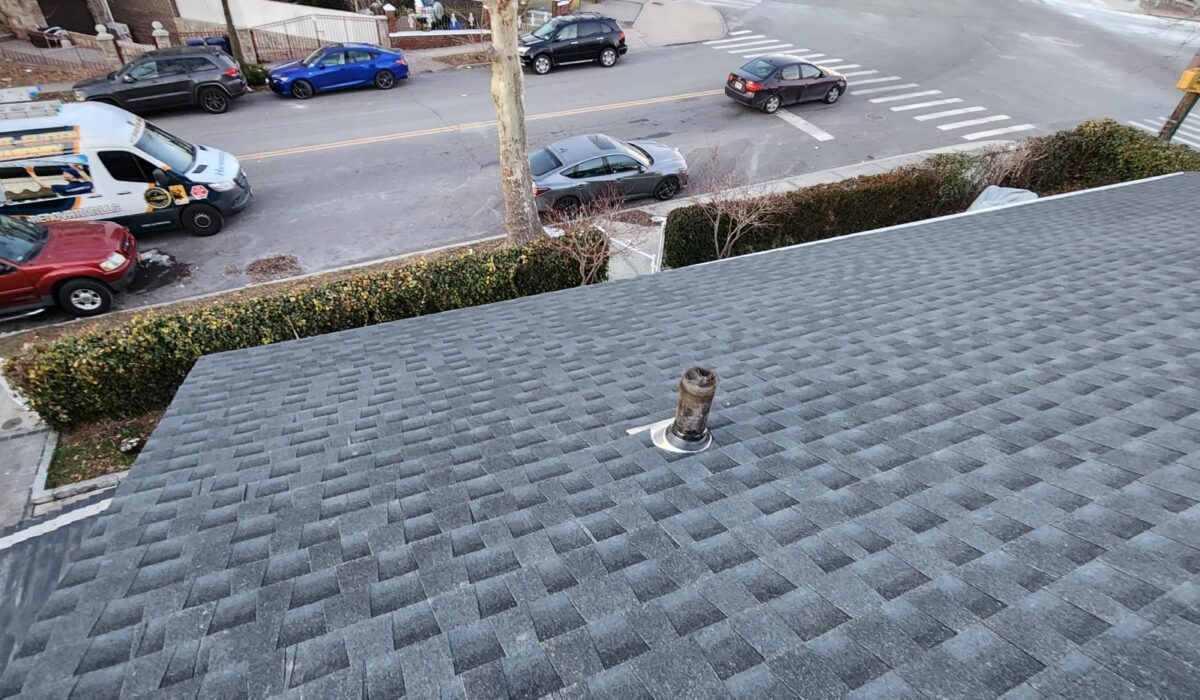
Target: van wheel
x=214, y=100
x=202, y=220
x=302, y=90
x=85, y=297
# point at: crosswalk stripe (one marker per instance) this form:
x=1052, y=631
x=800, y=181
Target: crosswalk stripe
x=858, y=73
x=839, y=68
x=906, y=96
x=829, y=61
x=740, y=31
x=886, y=88
x=1143, y=126
x=751, y=42
x=947, y=113
x=718, y=42
x=809, y=57
x=998, y=132
x=1179, y=139
x=766, y=49
x=870, y=81
x=1187, y=129
x=923, y=105
x=974, y=122
x=804, y=125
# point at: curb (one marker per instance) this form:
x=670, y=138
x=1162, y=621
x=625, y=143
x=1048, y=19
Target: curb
x=42, y=495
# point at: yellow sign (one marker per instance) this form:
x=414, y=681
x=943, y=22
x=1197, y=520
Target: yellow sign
x=1190, y=80
x=158, y=198
x=179, y=194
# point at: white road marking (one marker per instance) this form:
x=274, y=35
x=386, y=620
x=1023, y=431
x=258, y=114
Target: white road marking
x=718, y=42
x=975, y=122
x=767, y=49
x=870, y=81
x=748, y=42
x=889, y=88
x=947, y=113
x=906, y=96
x=808, y=57
x=839, y=68
x=54, y=524
x=998, y=132
x=804, y=125
x=923, y=105
x=860, y=72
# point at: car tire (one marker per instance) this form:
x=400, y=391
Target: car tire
x=832, y=96
x=542, y=64
x=666, y=188
x=608, y=57
x=385, y=80
x=202, y=220
x=772, y=105
x=566, y=206
x=302, y=90
x=213, y=100
x=84, y=296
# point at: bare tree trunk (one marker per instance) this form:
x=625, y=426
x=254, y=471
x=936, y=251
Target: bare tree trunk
x=235, y=44
x=508, y=93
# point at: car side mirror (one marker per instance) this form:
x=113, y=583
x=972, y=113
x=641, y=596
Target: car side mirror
x=127, y=78
x=160, y=178
x=6, y=269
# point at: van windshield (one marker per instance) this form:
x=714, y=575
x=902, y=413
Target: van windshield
x=20, y=241
x=166, y=147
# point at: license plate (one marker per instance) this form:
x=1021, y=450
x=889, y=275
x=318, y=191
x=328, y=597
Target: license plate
x=739, y=86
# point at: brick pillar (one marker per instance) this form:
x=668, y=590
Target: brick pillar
x=389, y=10
x=108, y=44
x=162, y=38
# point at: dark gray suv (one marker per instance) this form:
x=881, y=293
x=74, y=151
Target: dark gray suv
x=184, y=76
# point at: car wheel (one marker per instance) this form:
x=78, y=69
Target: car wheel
x=83, y=296
x=384, y=80
x=202, y=220
x=302, y=90
x=542, y=64
x=832, y=96
x=214, y=100
x=566, y=206
x=666, y=188
x=771, y=106
x=608, y=57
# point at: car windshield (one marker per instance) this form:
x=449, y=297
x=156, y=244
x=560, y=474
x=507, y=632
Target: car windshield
x=635, y=153
x=311, y=59
x=21, y=241
x=542, y=162
x=547, y=30
x=166, y=148
x=759, y=68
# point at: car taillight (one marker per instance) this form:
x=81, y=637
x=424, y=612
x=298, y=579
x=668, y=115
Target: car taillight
x=730, y=78
x=622, y=35
x=401, y=62
x=753, y=87
x=538, y=191
x=233, y=72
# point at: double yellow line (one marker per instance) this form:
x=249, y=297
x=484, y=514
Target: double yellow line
x=467, y=126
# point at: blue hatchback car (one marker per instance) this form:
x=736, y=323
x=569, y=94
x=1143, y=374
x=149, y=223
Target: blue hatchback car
x=338, y=66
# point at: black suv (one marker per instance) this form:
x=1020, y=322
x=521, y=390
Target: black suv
x=177, y=77
x=587, y=36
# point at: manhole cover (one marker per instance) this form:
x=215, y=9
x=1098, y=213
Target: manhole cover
x=11, y=423
x=875, y=116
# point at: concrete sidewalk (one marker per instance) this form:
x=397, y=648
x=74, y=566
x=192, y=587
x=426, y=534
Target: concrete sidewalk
x=652, y=23
x=24, y=442
x=640, y=247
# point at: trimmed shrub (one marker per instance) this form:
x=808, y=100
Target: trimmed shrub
x=137, y=366
x=256, y=74
x=938, y=186
x=1092, y=154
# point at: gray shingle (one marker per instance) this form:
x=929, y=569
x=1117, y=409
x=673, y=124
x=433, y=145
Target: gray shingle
x=959, y=460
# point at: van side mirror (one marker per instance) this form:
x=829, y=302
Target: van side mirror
x=160, y=178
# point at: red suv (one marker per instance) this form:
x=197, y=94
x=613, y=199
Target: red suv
x=75, y=265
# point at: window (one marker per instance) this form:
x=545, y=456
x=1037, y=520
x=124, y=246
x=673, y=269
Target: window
x=126, y=167
x=174, y=66
x=20, y=241
x=335, y=58
x=588, y=168
x=622, y=164
x=589, y=29
x=759, y=68
x=312, y=59
x=195, y=63
x=542, y=162
x=166, y=148
x=547, y=30
x=144, y=71
x=807, y=71
x=361, y=57
x=567, y=33
x=789, y=73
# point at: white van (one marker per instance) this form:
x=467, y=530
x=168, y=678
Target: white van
x=66, y=162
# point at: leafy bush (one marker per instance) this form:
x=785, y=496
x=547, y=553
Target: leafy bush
x=256, y=74
x=1092, y=154
x=938, y=186
x=137, y=366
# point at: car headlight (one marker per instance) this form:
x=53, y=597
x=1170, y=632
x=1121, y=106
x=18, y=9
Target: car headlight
x=522, y=49
x=222, y=186
x=113, y=261
x=280, y=78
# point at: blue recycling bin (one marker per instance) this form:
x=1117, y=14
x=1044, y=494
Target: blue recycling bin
x=218, y=41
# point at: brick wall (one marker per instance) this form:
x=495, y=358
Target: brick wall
x=22, y=13
x=138, y=14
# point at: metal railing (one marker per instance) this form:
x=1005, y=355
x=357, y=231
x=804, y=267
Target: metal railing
x=74, y=57
x=297, y=37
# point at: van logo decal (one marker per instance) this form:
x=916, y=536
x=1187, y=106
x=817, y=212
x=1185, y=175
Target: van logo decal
x=179, y=194
x=199, y=192
x=158, y=198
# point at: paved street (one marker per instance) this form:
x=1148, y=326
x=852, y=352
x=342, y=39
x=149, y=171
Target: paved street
x=360, y=175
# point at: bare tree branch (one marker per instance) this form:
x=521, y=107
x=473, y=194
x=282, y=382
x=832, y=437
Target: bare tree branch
x=732, y=208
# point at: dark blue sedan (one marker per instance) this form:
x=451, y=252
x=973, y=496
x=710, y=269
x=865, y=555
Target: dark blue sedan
x=339, y=66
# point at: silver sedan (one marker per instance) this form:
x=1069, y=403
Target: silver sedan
x=582, y=169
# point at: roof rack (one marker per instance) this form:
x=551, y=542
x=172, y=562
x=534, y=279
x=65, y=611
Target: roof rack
x=25, y=110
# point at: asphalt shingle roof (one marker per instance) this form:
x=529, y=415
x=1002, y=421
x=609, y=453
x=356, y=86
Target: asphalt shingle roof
x=954, y=459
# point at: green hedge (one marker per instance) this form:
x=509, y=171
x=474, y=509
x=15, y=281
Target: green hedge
x=126, y=370
x=1090, y=155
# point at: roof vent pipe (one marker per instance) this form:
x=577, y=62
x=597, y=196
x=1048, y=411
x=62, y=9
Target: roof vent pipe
x=689, y=431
